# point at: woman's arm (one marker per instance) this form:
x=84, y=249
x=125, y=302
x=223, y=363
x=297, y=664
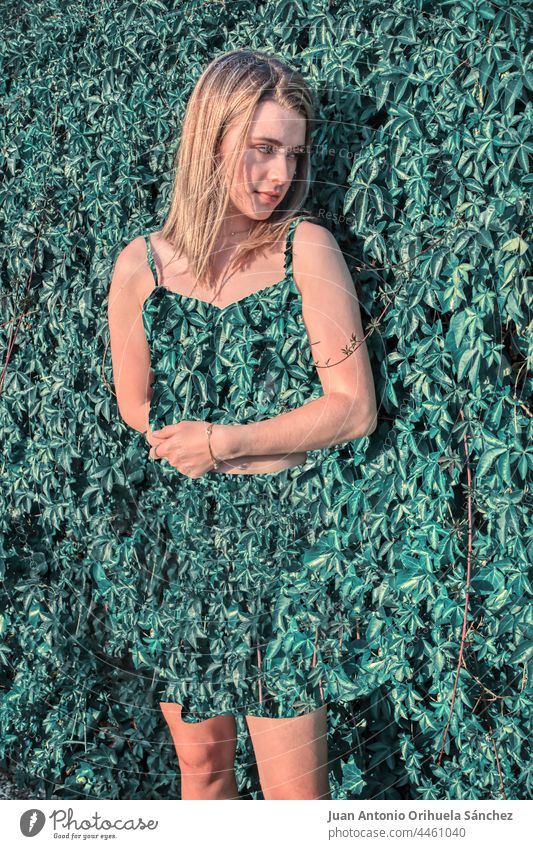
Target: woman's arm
x=332, y=318
x=130, y=354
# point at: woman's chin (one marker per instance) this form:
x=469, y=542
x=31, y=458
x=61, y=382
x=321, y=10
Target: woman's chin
x=260, y=212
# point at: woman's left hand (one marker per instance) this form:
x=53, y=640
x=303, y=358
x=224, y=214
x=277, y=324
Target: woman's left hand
x=184, y=445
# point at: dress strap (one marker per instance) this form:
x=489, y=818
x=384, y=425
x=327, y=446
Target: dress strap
x=288, y=245
x=151, y=261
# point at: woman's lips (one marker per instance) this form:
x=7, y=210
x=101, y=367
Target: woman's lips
x=266, y=198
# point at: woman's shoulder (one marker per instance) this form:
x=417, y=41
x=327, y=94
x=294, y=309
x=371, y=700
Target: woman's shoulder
x=131, y=273
x=317, y=257
x=132, y=252
x=311, y=237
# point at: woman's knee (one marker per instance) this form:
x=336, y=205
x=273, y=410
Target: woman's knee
x=212, y=758
x=204, y=748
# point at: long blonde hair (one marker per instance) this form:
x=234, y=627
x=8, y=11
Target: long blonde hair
x=229, y=89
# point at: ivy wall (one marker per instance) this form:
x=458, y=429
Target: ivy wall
x=420, y=164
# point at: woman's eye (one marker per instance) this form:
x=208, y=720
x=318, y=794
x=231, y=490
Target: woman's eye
x=269, y=149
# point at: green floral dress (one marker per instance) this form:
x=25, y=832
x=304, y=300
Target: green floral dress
x=252, y=619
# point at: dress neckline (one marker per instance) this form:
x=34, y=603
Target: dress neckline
x=279, y=284
x=161, y=286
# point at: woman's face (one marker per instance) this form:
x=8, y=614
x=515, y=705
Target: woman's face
x=268, y=162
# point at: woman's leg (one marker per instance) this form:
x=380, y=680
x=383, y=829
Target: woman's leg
x=206, y=752
x=292, y=755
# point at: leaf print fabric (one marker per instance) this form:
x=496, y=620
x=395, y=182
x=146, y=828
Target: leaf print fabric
x=251, y=617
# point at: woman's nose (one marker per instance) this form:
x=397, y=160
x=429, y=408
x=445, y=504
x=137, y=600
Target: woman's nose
x=279, y=169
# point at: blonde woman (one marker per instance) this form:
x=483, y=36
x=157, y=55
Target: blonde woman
x=240, y=309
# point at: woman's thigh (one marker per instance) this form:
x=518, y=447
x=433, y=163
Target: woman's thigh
x=292, y=755
x=201, y=746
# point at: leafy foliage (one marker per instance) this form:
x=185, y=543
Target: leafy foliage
x=421, y=170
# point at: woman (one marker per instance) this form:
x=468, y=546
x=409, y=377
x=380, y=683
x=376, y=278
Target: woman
x=222, y=307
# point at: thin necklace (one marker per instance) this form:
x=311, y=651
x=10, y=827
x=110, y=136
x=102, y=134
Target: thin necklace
x=236, y=232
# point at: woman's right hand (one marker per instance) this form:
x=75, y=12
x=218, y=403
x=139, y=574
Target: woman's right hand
x=252, y=464
x=151, y=439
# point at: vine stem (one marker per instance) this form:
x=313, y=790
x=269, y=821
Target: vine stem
x=259, y=676
x=313, y=662
x=502, y=788
x=19, y=318
x=468, y=569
